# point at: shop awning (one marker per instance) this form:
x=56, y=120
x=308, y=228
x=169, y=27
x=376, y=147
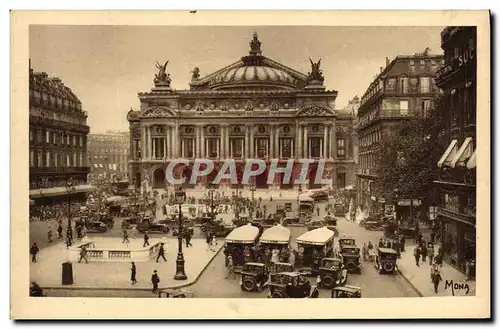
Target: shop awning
x=471, y=164
x=60, y=190
x=463, y=154
x=449, y=154
x=407, y=203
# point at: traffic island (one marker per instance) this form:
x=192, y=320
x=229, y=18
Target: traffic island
x=115, y=275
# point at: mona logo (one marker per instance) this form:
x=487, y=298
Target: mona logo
x=456, y=286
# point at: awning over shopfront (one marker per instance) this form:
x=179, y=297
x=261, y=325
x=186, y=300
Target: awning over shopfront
x=449, y=154
x=471, y=164
x=407, y=202
x=463, y=154
x=60, y=190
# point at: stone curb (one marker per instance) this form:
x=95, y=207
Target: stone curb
x=181, y=285
x=410, y=283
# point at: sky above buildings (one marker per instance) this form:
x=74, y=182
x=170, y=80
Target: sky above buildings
x=106, y=66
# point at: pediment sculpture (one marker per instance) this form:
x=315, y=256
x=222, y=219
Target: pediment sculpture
x=162, y=78
x=315, y=111
x=316, y=74
x=158, y=112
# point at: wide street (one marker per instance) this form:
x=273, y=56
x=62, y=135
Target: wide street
x=213, y=284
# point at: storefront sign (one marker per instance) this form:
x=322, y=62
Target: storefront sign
x=466, y=56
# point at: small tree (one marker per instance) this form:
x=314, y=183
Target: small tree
x=408, y=159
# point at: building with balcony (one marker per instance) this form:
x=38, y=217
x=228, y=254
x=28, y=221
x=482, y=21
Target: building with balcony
x=252, y=108
x=403, y=88
x=108, y=156
x=57, y=138
x=457, y=180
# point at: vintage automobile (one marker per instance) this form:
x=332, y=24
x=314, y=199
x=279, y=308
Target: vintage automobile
x=254, y=276
x=240, y=221
x=339, y=209
x=127, y=223
x=291, y=285
x=385, y=261
x=204, y=218
x=313, y=246
x=270, y=221
x=237, y=240
x=282, y=267
x=319, y=196
x=373, y=225
x=216, y=227
x=346, y=291
x=330, y=221
x=95, y=227
x=346, y=241
x=106, y=219
x=314, y=224
x=332, y=272
x=352, y=258
x=288, y=206
x=152, y=227
x=290, y=220
x=408, y=231
x=306, y=204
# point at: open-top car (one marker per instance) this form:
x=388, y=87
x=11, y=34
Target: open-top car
x=254, y=276
x=152, y=227
x=385, y=261
x=352, y=258
x=96, y=227
x=291, y=285
x=314, y=224
x=332, y=272
x=346, y=291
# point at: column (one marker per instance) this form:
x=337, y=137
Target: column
x=292, y=148
x=346, y=143
x=164, y=147
x=222, y=142
x=197, y=140
x=247, y=141
x=252, y=144
x=169, y=142
x=218, y=147
x=325, y=142
x=176, y=141
x=202, y=144
x=227, y=146
x=154, y=142
x=299, y=143
x=148, y=142
x=306, y=144
x=270, y=151
x=182, y=148
x=321, y=150
x=277, y=142
x=143, y=143
x=333, y=140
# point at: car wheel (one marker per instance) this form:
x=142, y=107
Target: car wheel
x=249, y=284
x=350, y=266
x=328, y=281
x=277, y=294
x=388, y=267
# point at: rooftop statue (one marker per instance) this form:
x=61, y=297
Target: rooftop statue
x=162, y=78
x=316, y=74
x=196, y=73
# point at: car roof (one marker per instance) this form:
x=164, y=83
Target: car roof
x=290, y=273
x=387, y=251
x=255, y=264
x=348, y=288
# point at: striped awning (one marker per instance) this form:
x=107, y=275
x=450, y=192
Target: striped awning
x=471, y=164
x=449, y=154
x=463, y=154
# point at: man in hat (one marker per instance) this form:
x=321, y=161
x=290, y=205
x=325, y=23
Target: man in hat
x=230, y=267
x=155, y=279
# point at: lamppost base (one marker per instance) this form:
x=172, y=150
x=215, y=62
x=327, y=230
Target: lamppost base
x=180, y=273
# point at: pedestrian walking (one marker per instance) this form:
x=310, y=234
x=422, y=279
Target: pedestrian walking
x=423, y=252
x=436, y=278
x=155, y=279
x=208, y=240
x=34, y=251
x=230, y=268
x=161, y=253
x=125, y=236
x=133, y=272
x=49, y=235
x=83, y=254
x=416, y=254
x=59, y=231
x=146, y=239
x=188, y=239
x=213, y=244
x=430, y=253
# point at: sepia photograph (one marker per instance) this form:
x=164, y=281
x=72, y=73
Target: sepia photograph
x=211, y=162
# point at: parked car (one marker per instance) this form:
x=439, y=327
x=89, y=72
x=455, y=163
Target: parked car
x=127, y=223
x=346, y=291
x=352, y=258
x=96, y=227
x=254, y=276
x=314, y=224
x=385, y=261
x=291, y=285
x=152, y=228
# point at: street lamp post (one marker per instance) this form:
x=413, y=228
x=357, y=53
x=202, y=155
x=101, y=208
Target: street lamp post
x=70, y=188
x=180, y=273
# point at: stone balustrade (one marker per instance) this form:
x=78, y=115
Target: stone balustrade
x=103, y=254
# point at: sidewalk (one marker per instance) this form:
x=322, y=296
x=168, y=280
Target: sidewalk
x=419, y=277
x=116, y=275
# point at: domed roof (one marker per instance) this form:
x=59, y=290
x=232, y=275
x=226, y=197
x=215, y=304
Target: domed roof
x=251, y=75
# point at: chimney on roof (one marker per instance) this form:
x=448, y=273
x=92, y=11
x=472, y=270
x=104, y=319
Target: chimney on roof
x=387, y=61
x=381, y=69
